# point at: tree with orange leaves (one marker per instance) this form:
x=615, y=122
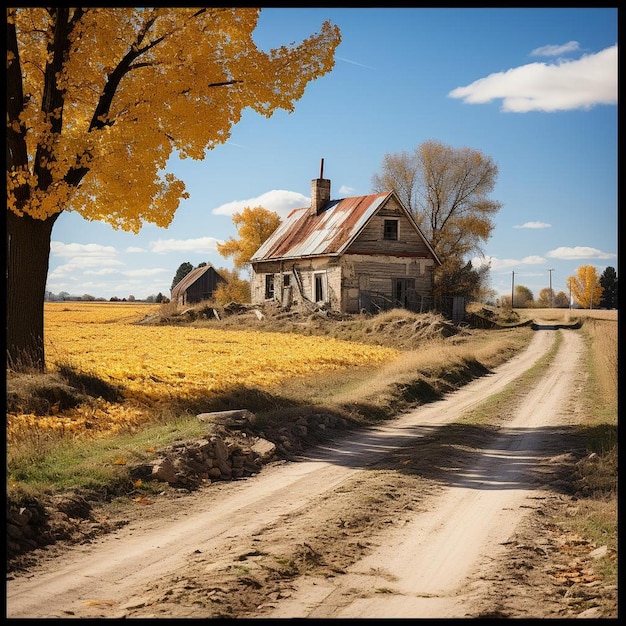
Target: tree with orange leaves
x=99, y=98
x=254, y=226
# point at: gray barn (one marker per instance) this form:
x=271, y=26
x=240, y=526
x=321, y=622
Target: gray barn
x=196, y=286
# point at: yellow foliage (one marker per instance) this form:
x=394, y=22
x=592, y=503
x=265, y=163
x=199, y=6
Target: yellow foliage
x=254, y=226
x=156, y=365
x=235, y=290
x=586, y=287
x=132, y=86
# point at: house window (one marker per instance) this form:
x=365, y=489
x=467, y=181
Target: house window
x=390, y=230
x=269, y=286
x=286, y=280
x=319, y=287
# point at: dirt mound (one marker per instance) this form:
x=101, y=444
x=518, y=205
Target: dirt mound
x=414, y=326
x=397, y=328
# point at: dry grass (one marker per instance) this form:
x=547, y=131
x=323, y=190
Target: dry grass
x=76, y=403
x=603, y=334
x=433, y=357
x=567, y=315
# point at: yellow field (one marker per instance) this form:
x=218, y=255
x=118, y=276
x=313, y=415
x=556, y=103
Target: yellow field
x=160, y=365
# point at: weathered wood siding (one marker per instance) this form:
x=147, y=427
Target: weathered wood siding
x=301, y=281
x=372, y=241
x=377, y=272
x=371, y=263
x=201, y=289
x=344, y=279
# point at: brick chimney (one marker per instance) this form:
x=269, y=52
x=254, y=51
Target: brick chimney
x=320, y=192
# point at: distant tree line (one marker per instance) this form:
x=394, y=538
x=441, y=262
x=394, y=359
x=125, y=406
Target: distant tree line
x=64, y=296
x=586, y=289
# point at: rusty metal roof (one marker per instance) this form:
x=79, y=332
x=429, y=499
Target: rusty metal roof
x=328, y=233
x=305, y=234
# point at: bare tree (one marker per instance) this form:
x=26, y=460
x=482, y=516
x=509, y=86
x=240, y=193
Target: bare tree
x=447, y=191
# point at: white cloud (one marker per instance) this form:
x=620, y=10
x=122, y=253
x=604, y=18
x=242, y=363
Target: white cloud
x=136, y=273
x=480, y=261
x=79, y=256
x=77, y=267
x=579, y=252
x=533, y=260
x=497, y=264
x=200, y=245
x=563, y=86
x=67, y=272
x=500, y=264
x=132, y=249
x=346, y=192
x=82, y=250
x=556, y=50
x=105, y=271
x=534, y=225
x=152, y=271
x=277, y=200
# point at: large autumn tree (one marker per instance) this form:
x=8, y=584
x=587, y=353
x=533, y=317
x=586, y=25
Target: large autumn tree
x=447, y=191
x=99, y=98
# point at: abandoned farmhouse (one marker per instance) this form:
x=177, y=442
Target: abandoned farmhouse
x=355, y=254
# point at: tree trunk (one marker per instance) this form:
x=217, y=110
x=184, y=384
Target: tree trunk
x=28, y=256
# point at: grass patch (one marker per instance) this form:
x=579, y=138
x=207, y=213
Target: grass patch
x=45, y=466
x=499, y=403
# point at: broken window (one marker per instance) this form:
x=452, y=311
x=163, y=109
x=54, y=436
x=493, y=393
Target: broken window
x=269, y=286
x=319, y=286
x=390, y=230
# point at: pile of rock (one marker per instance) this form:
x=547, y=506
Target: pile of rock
x=229, y=452
x=233, y=448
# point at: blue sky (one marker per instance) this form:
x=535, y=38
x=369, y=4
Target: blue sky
x=534, y=89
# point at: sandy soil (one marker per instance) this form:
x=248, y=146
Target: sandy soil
x=419, y=518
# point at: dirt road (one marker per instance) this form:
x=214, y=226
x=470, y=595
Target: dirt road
x=370, y=526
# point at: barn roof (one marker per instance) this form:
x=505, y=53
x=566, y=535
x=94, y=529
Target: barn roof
x=304, y=233
x=189, y=279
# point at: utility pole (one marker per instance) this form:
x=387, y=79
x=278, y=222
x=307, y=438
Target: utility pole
x=551, y=294
x=570, y=294
x=512, y=287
